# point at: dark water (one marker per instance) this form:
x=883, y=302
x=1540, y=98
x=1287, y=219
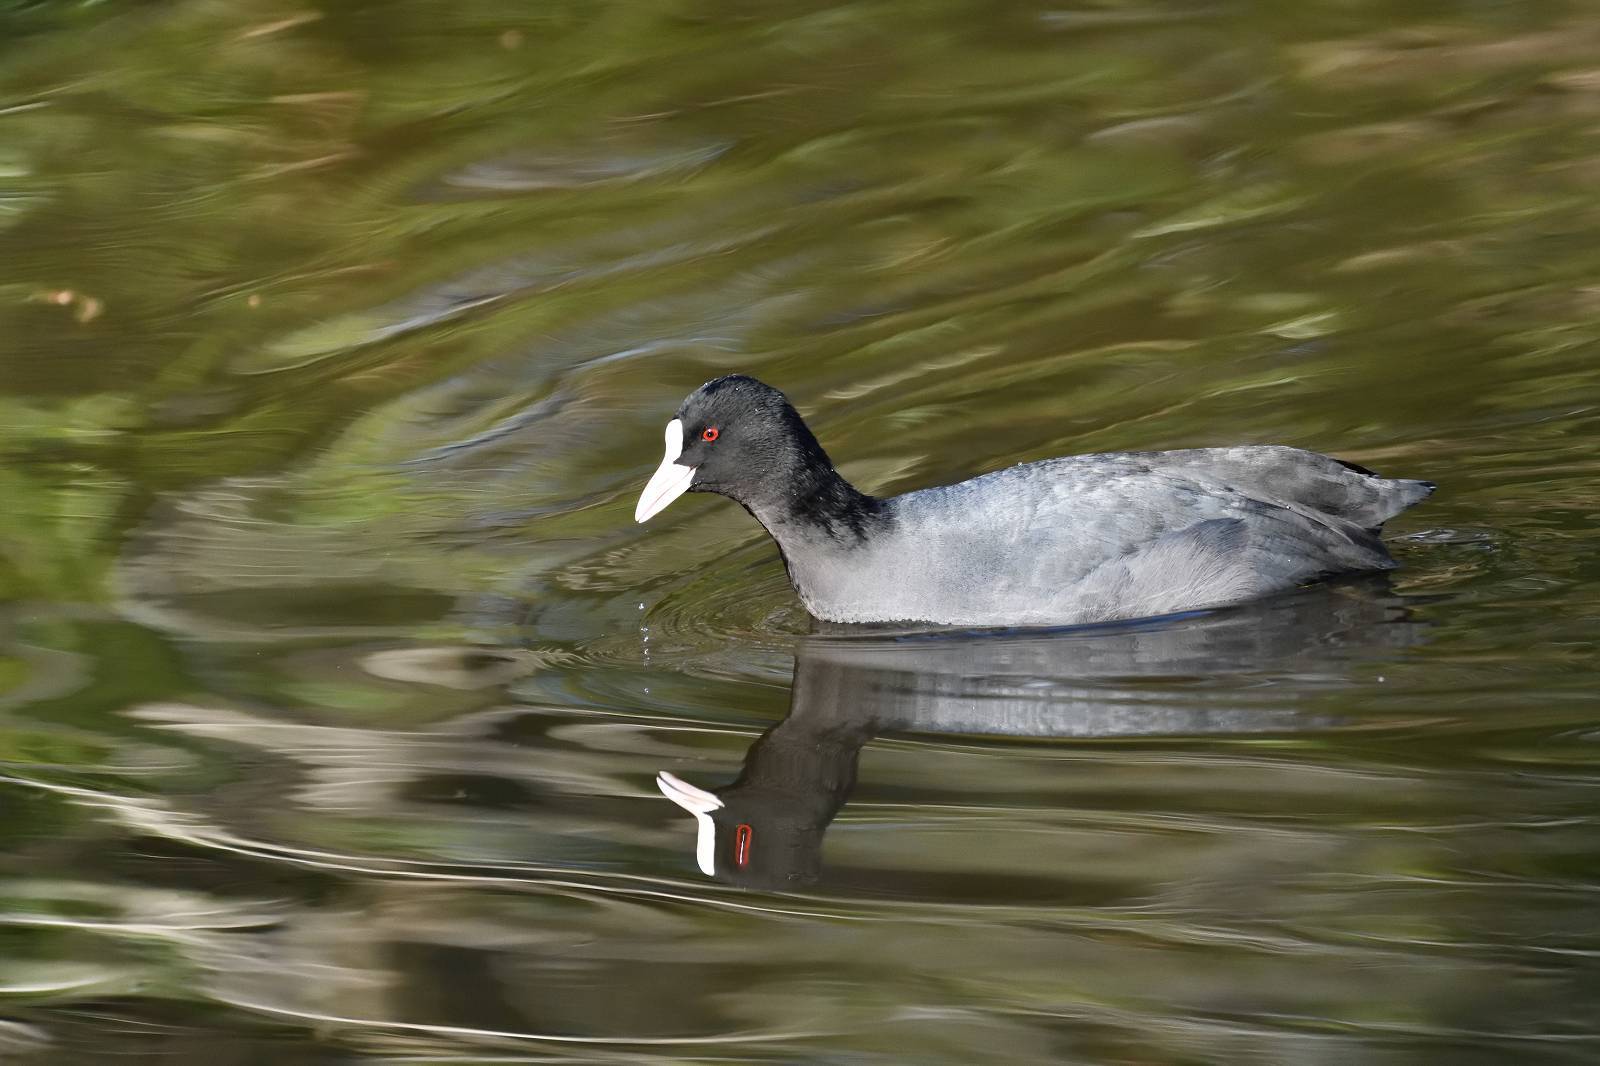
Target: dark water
x=335, y=342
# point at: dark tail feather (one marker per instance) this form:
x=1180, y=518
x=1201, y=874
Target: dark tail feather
x=1400, y=493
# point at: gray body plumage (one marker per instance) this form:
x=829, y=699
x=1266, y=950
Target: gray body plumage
x=1097, y=537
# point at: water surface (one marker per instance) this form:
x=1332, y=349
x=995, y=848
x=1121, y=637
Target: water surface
x=336, y=341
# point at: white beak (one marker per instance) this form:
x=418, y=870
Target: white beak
x=700, y=803
x=669, y=481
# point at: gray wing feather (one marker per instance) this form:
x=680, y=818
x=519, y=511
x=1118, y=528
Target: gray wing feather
x=1296, y=479
x=1108, y=536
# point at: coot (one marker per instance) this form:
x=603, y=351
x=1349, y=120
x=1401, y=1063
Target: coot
x=1083, y=538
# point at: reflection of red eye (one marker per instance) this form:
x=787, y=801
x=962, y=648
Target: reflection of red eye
x=742, y=837
x=709, y=434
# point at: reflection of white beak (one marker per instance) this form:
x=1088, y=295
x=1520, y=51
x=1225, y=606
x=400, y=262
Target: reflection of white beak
x=669, y=481
x=700, y=803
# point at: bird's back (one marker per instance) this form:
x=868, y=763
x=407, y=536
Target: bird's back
x=1114, y=535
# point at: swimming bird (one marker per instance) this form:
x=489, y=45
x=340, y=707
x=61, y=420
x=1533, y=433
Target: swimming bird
x=1083, y=538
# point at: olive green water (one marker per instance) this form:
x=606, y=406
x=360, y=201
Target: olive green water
x=336, y=341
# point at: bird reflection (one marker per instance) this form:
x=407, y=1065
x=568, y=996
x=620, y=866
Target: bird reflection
x=765, y=829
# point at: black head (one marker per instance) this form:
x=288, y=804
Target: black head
x=743, y=439
x=739, y=434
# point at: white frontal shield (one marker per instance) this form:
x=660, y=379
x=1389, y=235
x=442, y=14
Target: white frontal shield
x=669, y=481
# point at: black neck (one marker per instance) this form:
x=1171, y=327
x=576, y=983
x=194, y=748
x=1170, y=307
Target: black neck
x=814, y=497
x=825, y=501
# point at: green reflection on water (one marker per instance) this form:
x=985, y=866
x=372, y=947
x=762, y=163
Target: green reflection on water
x=334, y=674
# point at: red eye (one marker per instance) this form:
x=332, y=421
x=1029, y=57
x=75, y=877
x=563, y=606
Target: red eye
x=742, y=837
x=709, y=434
